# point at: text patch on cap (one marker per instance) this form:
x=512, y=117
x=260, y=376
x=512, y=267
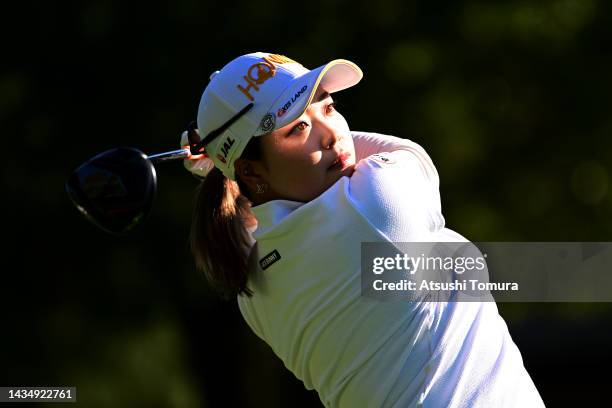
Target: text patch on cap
x=260, y=72
x=290, y=102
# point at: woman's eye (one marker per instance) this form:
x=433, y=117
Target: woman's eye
x=299, y=127
x=331, y=108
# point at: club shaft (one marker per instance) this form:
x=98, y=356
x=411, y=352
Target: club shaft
x=167, y=156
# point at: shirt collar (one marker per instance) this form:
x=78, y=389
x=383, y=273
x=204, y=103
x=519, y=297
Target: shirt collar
x=272, y=213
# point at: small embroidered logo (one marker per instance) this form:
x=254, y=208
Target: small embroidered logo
x=269, y=259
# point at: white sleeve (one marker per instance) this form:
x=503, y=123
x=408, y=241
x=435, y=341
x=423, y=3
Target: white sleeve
x=245, y=303
x=249, y=317
x=368, y=143
x=397, y=191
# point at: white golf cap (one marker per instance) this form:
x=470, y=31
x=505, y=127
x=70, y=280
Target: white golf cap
x=280, y=90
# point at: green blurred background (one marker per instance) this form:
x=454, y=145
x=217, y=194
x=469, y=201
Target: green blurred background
x=511, y=99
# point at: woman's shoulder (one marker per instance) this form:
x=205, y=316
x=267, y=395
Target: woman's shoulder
x=396, y=188
x=392, y=151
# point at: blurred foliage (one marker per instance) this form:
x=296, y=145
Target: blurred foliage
x=510, y=98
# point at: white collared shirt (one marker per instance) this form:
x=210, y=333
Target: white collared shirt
x=360, y=352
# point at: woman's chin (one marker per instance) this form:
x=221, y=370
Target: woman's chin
x=348, y=170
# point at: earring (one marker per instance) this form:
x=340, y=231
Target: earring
x=261, y=188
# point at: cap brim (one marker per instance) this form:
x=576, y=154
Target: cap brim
x=333, y=77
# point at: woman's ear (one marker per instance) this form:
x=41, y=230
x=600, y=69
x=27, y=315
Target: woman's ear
x=254, y=174
x=249, y=173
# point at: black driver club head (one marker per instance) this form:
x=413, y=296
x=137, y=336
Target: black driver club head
x=115, y=189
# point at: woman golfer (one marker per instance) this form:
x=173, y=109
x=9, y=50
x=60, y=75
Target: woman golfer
x=289, y=194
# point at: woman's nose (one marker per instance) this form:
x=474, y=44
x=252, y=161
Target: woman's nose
x=329, y=140
x=328, y=136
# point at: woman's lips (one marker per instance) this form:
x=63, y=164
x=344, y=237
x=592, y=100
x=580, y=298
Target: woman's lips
x=341, y=161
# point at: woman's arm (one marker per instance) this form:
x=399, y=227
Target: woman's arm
x=396, y=187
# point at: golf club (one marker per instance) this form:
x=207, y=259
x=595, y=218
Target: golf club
x=115, y=189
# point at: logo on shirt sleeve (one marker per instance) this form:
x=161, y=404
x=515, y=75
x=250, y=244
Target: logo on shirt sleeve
x=269, y=259
x=382, y=158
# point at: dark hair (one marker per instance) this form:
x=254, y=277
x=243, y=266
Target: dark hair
x=219, y=240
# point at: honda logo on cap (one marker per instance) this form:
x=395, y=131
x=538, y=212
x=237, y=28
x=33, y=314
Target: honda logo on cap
x=260, y=72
